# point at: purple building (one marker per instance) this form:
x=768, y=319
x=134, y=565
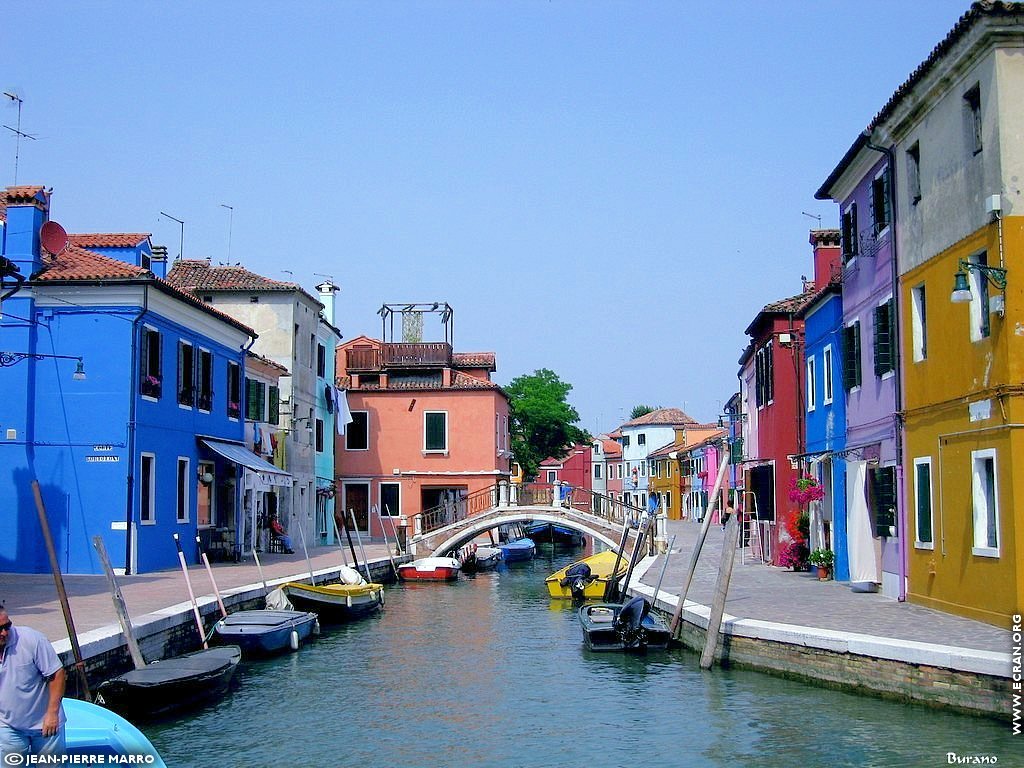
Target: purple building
x=861, y=185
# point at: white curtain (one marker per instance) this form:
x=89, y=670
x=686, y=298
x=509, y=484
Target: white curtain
x=860, y=542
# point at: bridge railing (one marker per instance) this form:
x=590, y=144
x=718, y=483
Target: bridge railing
x=454, y=510
x=580, y=499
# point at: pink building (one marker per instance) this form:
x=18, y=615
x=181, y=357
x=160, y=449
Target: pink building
x=428, y=427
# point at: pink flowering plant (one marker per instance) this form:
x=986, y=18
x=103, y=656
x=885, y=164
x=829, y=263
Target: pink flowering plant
x=805, y=489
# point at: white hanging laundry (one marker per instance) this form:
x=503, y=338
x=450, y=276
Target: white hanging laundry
x=342, y=415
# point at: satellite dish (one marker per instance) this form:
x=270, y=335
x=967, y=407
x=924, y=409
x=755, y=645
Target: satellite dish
x=53, y=237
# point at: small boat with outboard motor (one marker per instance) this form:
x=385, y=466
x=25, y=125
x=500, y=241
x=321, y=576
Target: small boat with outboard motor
x=475, y=558
x=629, y=626
x=586, y=579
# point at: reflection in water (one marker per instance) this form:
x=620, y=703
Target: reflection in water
x=489, y=672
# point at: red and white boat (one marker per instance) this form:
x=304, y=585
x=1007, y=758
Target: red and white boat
x=430, y=569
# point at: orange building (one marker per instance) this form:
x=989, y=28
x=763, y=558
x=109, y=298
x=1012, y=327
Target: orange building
x=428, y=428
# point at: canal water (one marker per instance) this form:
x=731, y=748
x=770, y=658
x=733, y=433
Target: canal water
x=490, y=672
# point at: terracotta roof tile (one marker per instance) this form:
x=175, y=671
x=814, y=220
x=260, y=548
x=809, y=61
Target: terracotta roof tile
x=23, y=194
x=474, y=360
x=200, y=275
x=662, y=416
x=75, y=264
x=611, y=448
x=108, y=239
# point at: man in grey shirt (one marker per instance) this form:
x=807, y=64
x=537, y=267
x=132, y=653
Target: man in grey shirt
x=31, y=688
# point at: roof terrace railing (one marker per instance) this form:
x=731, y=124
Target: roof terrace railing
x=427, y=355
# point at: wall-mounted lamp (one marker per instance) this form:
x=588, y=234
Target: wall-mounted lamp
x=962, y=289
x=7, y=359
x=205, y=476
x=309, y=425
x=731, y=418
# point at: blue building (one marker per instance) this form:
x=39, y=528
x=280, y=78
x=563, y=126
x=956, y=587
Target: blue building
x=122, y=399
x=825, y=405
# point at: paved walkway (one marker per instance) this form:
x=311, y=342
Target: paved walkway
x=770, y=594
x=32, y=599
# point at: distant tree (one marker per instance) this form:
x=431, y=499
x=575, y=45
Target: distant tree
x=642, y=410
x=543, y=422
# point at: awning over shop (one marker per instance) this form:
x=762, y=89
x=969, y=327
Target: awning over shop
x=266, y=473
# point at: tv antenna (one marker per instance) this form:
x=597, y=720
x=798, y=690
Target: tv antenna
x=181, y=243
x=812, y=216
x=18, y=133
x=231, y=220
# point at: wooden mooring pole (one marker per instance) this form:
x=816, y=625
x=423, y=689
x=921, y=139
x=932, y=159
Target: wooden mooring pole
x=677, y=615
x=707, y=657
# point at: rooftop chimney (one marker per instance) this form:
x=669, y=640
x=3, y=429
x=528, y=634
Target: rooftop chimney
x=827, y=256
x=28, y=208
x=327, y=289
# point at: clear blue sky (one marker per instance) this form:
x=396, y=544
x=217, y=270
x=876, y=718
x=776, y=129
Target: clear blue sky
x=611, y=190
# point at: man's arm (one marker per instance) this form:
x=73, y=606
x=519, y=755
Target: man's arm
x=51, y=722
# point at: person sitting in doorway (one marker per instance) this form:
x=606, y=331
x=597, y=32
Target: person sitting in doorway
x=277, y=531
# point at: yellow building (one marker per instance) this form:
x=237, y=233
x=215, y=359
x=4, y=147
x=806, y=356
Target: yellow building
x=664, y=465
x=954, y=132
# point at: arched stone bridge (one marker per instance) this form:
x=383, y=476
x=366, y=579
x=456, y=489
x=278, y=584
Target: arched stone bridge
x=450, y=537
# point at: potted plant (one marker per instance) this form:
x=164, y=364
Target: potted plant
x=794, y=555
x=823, y=559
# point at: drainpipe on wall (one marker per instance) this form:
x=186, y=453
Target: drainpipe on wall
x=133, y=379
x=901, y=519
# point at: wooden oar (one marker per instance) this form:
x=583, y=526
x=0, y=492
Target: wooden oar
x=387, y=545
x=359, y=539
x=341, y=546
x=209, y=572
x=259, y=568
x=664, y=568
x=191, y=594
x=305, y=551
x=612, y=586
x=65, y=606
x=119, y=606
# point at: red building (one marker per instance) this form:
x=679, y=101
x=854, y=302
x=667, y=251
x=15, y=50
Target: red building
x=573, y=469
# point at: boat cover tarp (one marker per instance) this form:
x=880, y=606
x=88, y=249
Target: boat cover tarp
x=262, y=618
x=199, y=664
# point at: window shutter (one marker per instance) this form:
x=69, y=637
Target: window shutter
x=884, y=492
x=736, y=451
x=883, y=339
x=275, y=402
x=251, y=403
x=144, y=356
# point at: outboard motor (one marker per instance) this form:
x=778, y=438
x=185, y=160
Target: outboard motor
x=629, y=622
x=578, y=577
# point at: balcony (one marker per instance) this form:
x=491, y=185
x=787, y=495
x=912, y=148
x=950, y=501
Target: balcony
x=432, y=355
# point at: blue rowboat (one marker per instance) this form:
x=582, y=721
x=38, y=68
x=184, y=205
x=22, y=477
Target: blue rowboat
x=93, y=730
x=264, y=632
x=554, y=533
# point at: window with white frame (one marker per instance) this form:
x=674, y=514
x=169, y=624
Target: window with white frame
x=985, y=503
x=597, y=471
x=923, y=536
x=391, y=499
x=552, y=476
x=668, y=500
x=183, y=487
x=435, y=431
x=357, y=433
x=881, y=209
x=919, y=323
x=826, y=375
x=147, y=489
x=812, y=395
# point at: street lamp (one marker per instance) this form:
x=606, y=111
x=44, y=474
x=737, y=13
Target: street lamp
x=962, y=289
x=7, y=359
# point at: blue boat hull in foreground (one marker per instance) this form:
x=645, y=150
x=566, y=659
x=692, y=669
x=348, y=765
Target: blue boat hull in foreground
x=93, y=730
